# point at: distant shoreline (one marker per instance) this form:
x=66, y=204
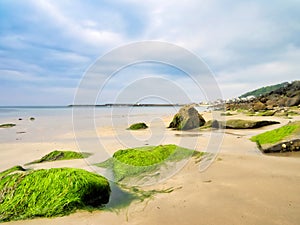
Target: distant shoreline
x=128, y=105
x=108, y=105
x=137, y=105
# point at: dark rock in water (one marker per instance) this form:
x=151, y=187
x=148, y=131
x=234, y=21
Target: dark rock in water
x=32, y=118
x=187, y=118
x=287, y=146
x=20, y=118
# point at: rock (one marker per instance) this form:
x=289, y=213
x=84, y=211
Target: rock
x=247, y=124
x=271, y=103
x=285, y=96
x=282, y=101
x=50, y=192
x=187, y=118
x=216, y=124
x=259, y=106
x=287, y=146
x=137, y=126
x=7, y=125
x=238, y=124
x=294, y=101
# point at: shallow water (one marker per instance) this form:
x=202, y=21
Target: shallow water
x=52, y=122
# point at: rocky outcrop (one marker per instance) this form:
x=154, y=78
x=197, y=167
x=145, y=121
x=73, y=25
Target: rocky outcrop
x=187, y=118
x=286, y=96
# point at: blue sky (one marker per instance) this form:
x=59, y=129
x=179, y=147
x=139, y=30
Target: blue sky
x=46, y=46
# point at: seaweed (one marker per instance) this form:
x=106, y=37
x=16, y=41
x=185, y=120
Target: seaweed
x=60, y=155
x=48, y=193
x=7, y=125
x=138, y=126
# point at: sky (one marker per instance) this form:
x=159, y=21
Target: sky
x=46, y=47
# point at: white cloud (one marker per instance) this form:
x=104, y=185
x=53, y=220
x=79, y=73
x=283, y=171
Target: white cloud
x=82, y=32
x=70, y=57
x=285, y=68
x=247, y=44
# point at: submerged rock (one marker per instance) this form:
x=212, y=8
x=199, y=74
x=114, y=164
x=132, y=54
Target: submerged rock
x=187, y=118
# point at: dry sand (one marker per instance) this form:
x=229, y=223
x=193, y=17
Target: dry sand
x=241, y=186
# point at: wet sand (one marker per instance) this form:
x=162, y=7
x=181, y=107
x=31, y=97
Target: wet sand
x=242, y=186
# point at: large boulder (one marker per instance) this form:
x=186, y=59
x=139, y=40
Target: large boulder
x=187, y=118
x=294, y=101
x=259, y=106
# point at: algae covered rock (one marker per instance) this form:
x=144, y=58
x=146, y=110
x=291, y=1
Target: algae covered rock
x=61, y=155
x=7, y=125
x=144, y=163
x=238, y=124
x=187, y=118
x=248, y=124
x=282, y=139
x=47, y=193
x=137, y=126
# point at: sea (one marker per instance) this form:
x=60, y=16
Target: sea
x=52, y=121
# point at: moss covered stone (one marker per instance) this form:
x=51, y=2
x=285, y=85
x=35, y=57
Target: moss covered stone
x=11, y=170
x=291, y=130
x=7, y=125
x=143, y=160
x=283, y=139
x=187, y=118
x=47, y=193
x=61, y=155
x=238, y=124
x=138, y=126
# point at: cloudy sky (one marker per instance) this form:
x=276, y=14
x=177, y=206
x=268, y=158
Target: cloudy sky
x=47, y=46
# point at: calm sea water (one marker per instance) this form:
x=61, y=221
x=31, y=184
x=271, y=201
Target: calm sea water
x=52, y=122
x=25, y=111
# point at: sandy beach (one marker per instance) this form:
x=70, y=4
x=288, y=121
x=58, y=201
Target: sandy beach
x=241, y=186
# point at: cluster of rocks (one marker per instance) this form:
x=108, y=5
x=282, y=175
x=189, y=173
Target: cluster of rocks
x=286, y=96
x=188, y=118
x=287, y=146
